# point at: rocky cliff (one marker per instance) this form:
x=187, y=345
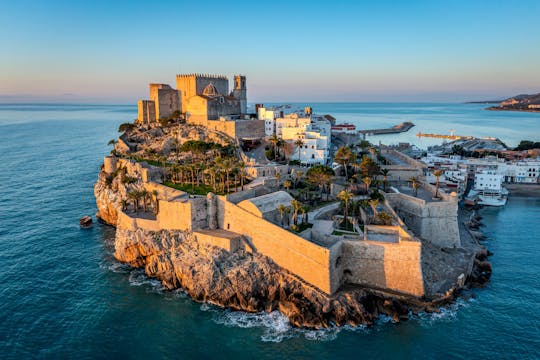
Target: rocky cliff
x=240, y=280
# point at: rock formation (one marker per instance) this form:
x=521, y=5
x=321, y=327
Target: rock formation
x=242, y=280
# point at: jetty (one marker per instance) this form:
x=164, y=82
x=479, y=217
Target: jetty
x=403, y=127
x=442, y=136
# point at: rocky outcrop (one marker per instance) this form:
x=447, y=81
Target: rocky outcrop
x=250, y=282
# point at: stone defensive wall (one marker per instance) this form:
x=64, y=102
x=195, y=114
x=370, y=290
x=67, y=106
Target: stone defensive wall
x=238, y=128
x=406, y=159
x=435, y=221
x=301, y=257
x=401, y=173
x=391, y=263
x=385, y=265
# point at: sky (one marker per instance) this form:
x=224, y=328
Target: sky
x=351, y=51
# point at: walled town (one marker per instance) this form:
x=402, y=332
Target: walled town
x=285, y=209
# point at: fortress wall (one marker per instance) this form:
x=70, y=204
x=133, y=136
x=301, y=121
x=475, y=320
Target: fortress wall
x=401, y=173
x=395, y=266
x=175, y=215
x=300, y=256
x=228, y=126
x=436, y=222
x=218, y=107
x=409, y=160
x=250, y=129
x=127, y=222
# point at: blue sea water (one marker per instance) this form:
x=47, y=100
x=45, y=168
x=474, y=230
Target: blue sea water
x=62, y=294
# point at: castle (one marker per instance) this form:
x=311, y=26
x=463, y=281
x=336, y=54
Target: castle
x=204, y=100
x=199, y=96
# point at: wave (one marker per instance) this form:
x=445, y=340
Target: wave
x=137, y=277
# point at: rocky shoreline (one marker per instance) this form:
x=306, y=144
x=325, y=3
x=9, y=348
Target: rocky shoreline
x=497, y=108
x=252, y=282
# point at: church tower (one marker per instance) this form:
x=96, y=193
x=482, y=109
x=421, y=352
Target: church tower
x=240, y=92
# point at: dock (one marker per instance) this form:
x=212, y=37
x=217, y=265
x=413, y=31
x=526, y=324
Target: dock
x=403, y=127
x=441, y=136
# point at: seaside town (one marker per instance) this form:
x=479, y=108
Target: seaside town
x=327, y=210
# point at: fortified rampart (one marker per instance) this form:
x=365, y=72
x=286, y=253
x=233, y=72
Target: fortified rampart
x=434, y=221
x=222, y=221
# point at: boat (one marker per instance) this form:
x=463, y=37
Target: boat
x=489, y=197
x=85, y=222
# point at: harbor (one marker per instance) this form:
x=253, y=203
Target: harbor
x=403, y=127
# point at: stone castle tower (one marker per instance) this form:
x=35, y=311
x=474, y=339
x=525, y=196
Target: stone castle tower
x=240, y=92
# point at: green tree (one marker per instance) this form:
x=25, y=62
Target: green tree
x=296, y=205
x=415, y=185
x=345, y=196
x=437, y=173
x=344, y=156
x=281, y=209
x=367, y=180
x=384, y=173
x=287, y=184
x=155, y=194
x=374, y=203
x=275, y=141
x=299, y=143
x=368, y=167
x=320, y=175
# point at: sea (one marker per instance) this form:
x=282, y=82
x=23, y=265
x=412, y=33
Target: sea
x=63, y=295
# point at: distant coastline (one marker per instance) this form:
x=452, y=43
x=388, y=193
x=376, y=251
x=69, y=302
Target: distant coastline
x=498, y=108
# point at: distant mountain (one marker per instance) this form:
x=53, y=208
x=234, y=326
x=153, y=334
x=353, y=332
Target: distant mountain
x=522, y=102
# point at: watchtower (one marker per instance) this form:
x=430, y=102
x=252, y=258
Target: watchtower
x=240, y=92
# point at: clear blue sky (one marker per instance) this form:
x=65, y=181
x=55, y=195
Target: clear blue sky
x=105, y=51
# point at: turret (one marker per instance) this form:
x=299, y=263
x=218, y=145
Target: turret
x=240, y=92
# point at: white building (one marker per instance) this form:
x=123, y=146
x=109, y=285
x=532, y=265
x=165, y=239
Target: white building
x=522, y=172
x=315, y=136
x=344, y=129
x=488, y=180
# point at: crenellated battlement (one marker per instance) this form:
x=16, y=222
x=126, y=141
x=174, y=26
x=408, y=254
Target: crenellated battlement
x=205, y=76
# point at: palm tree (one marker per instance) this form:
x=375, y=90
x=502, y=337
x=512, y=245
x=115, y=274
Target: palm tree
x=345, y=196
x=144, y=196
x=112, y=142
x=374, y=203
x=384, y=173
x=155, y=194
x=287, y=184
x=344, y=156
x=299, y=143
x=415, y=185
x=242, y=172
x=305, y=211
x=134, y=196
x=367, y=180
x=274, y=140
x=281, y=209
x=287, y=212
x=437, y=173
x=296, y=205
